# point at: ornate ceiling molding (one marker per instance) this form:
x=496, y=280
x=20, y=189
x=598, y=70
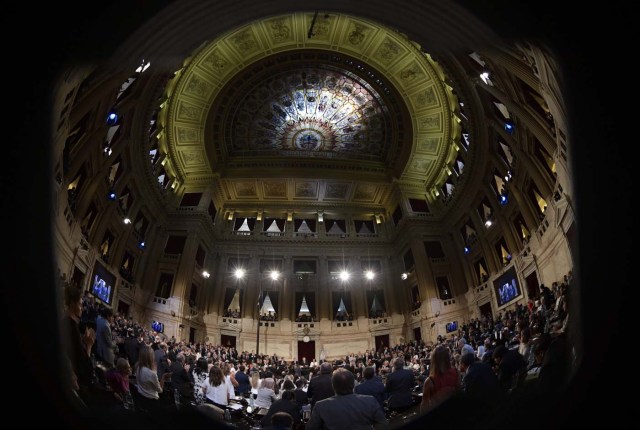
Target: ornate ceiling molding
x=414, y=76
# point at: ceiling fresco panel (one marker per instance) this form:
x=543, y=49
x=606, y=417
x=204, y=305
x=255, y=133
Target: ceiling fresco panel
x=273, y=189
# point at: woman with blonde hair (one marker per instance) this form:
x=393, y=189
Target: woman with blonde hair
x=266, y=394
x=255, y=383
x=442, y=382
x=148, y=385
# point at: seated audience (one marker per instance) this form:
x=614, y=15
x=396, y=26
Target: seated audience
x=118, y=378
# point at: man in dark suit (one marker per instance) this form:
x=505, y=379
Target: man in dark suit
x=300, y=395
x=371, y=386
x=132, y=346
x=480, y=383
x=180, y=379
x=345, y=409
x=320, y=386
x=244, y=384
x=399, y=386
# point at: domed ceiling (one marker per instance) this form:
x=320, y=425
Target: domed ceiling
x=266, y=113
x=307, y=111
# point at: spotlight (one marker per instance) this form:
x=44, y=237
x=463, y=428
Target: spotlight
x=111, y=195
x=274, y=275
x=503, y=199
x=239, y=273
x=404, y=276
x=141, y=244
x=112, y=118
x=508, y=126
x=488, y=223
x=344, y=275
x=369, y=274
x=205, y=274
x=127, y=220
x=466, y=250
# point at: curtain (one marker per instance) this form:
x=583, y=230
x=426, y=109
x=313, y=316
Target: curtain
x=346, y=297
x=357, y=224
x=273, y=295
x=228, y=296
x=299, y=297
x=238, y=223
x=297, y=223
x=335, y=302
x=328, y=224
x=311, y=303
x=370, y=295
x=312, y=224
x=381, y=300
x=251, y=222
x=280, y=223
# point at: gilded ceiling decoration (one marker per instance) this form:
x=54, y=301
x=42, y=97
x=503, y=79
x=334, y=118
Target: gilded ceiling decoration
x=266, y=104
x=307, y=111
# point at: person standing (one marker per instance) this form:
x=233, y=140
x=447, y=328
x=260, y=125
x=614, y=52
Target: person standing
x=244, y=384
x=78, y=342
x=399, y=386
x=320, y=387
x=148, y=384
x=443, y=380
x=371, y=386
x=105, y=347
x=480, y=384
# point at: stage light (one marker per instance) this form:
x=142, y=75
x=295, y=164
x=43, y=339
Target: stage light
x=111, y=195
x=466, y=250
x=112, y=118
x=369, y=275
x=508, y=126
x=141, y=244
x=488, y=223
x=404, y=276
x=274, y=275
x=503, y=199
x=205, y=274
x=239, y=273
x=344, y=275
x=127, y=220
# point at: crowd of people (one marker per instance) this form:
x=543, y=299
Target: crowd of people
x=117, y=363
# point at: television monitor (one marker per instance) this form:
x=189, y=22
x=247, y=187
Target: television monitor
x=103, y=283
x=157, y=326
x=507, y=287
x=452, y=326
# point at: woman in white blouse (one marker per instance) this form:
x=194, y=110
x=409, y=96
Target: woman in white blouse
x=215, y=388
x=147, y=383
